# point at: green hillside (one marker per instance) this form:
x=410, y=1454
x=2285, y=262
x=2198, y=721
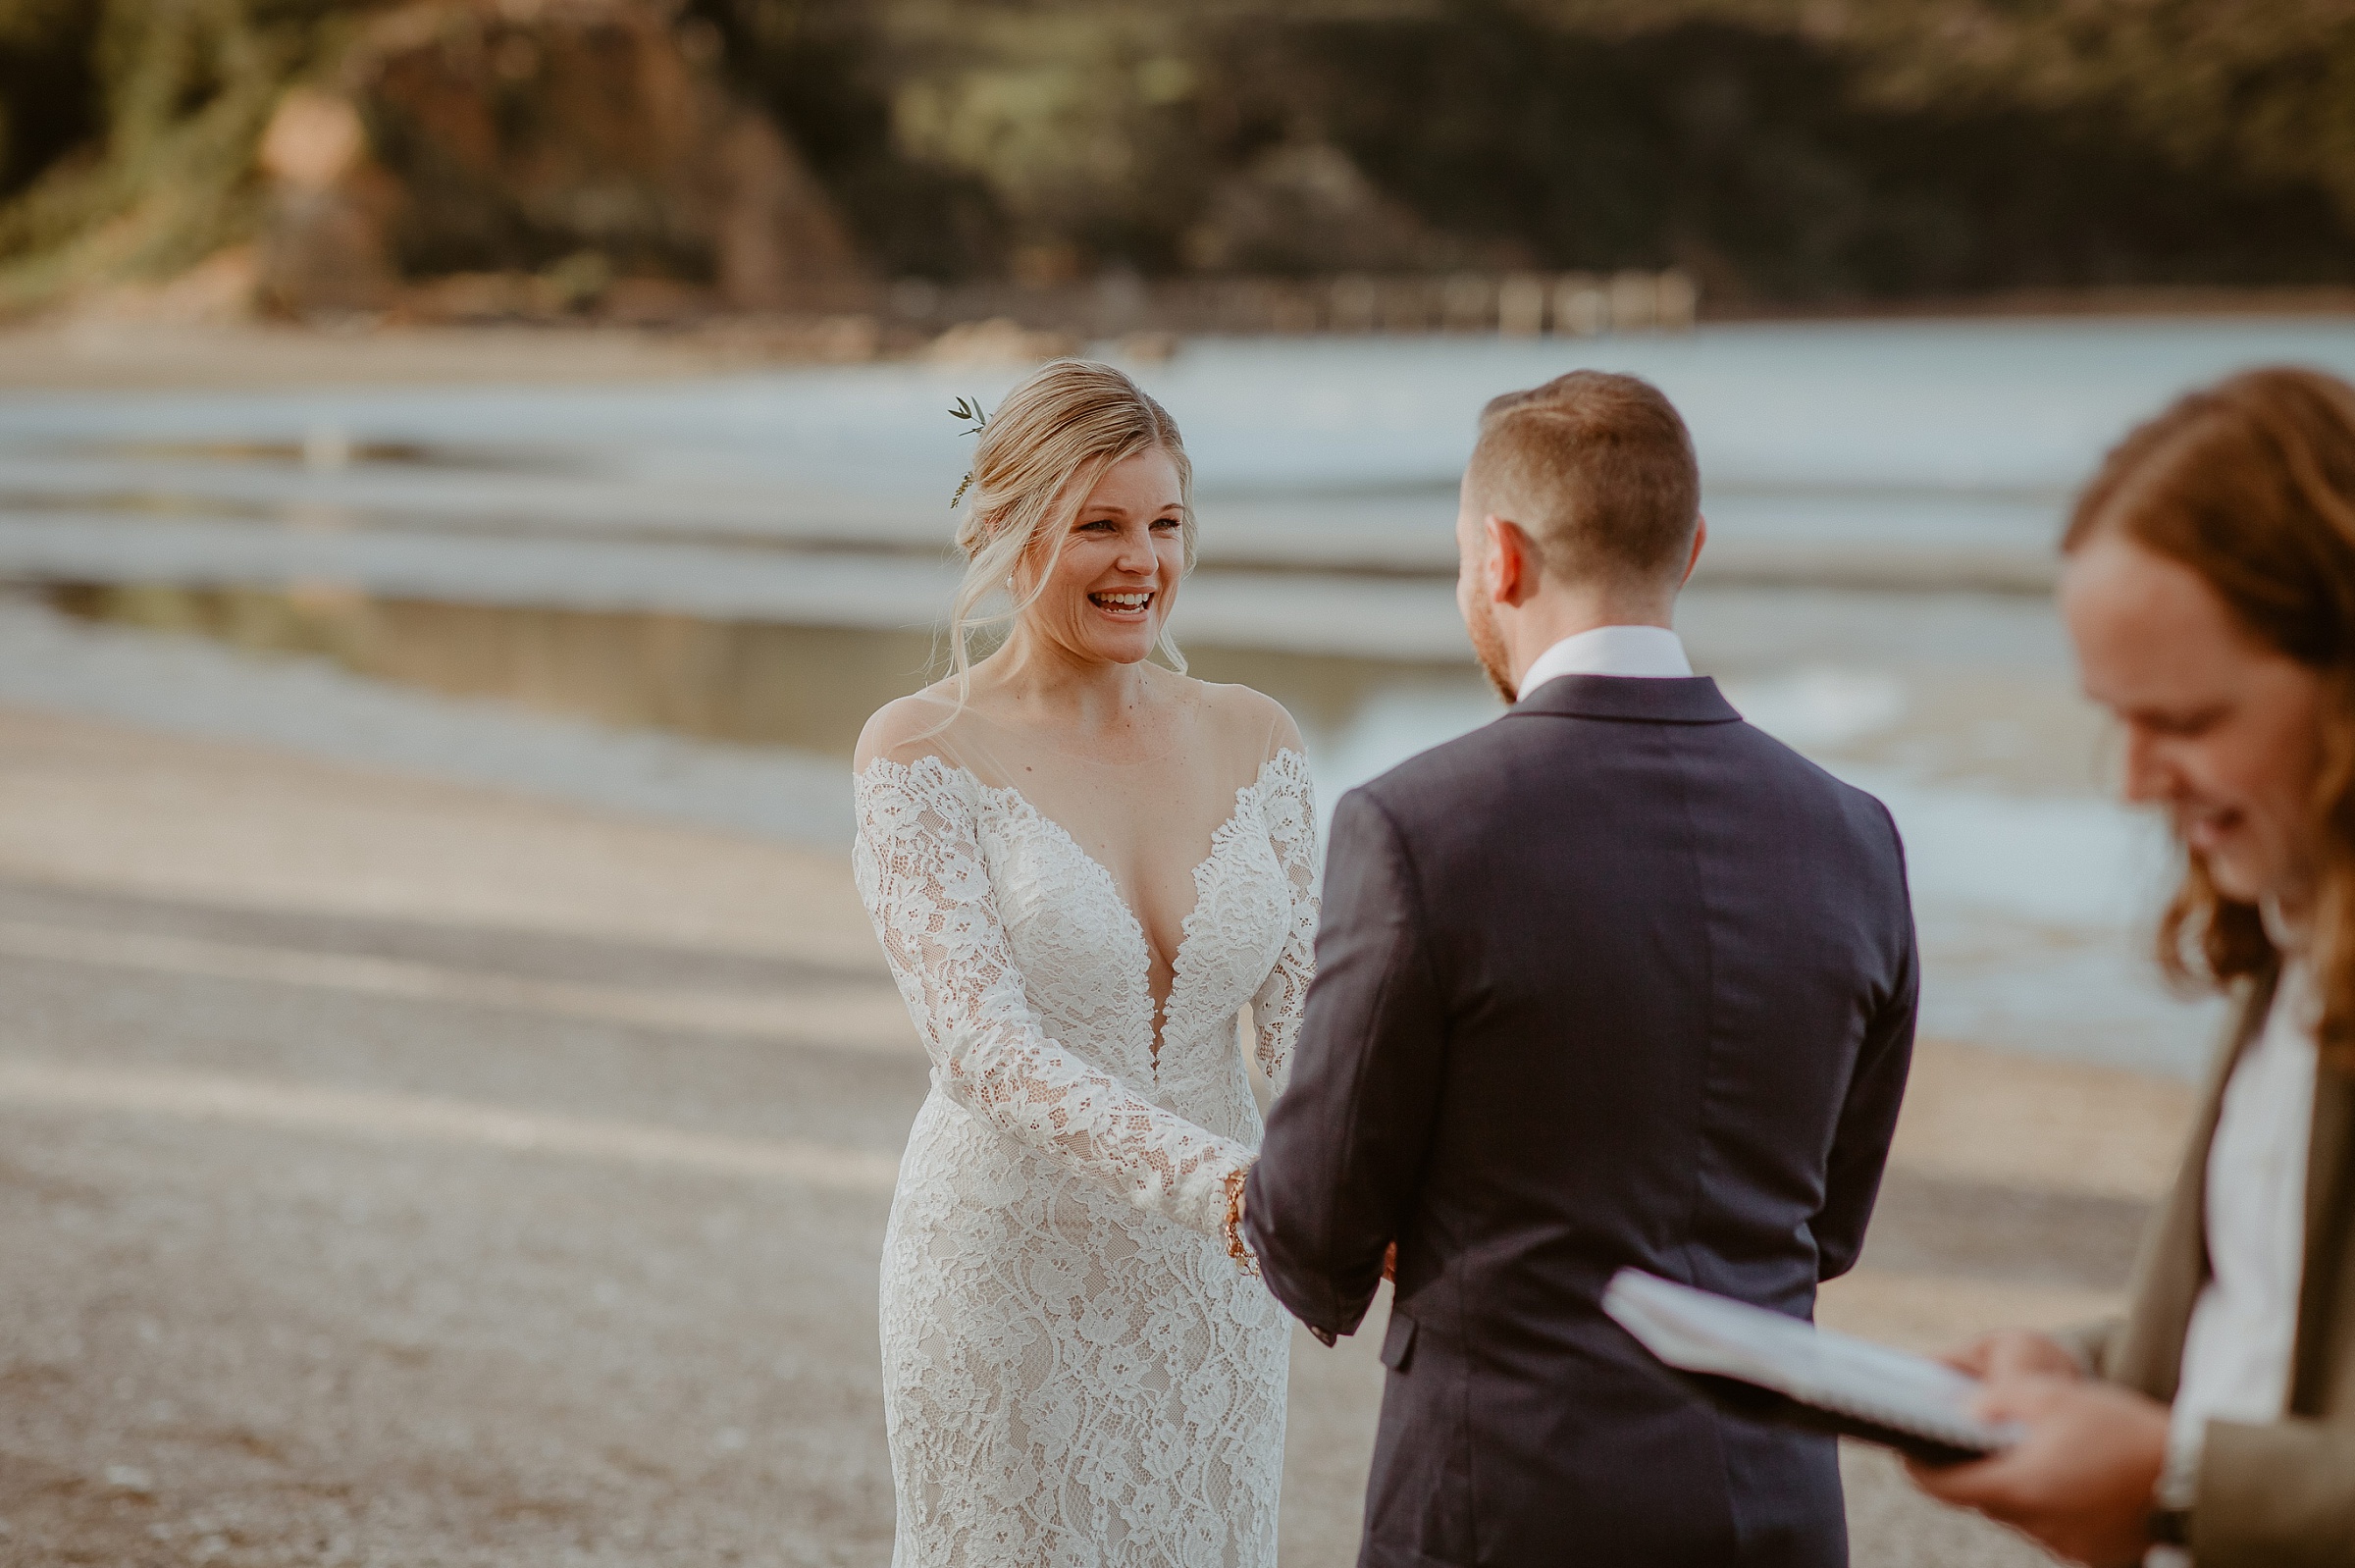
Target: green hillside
x=1785, y=151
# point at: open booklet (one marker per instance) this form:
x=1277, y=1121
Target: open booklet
x=1772, y=1367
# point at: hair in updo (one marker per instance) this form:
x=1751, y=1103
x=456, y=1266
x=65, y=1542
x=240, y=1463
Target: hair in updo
x=1043, y=451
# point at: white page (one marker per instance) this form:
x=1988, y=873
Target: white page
x=1695, y=1331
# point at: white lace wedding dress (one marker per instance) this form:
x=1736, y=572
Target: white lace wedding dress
x=1076, y=1371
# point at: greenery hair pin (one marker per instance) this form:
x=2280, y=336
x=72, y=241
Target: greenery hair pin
x=966, y=408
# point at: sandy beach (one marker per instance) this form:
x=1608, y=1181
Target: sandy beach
x=399, y=1171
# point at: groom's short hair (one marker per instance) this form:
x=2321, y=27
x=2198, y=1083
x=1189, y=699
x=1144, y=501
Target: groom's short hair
x=1597, y=468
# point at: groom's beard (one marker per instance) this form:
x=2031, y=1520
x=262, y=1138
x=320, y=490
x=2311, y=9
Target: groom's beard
x=1487, y=645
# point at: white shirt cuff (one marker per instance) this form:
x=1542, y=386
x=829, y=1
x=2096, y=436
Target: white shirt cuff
x=2178, y=1484
x=2179, y=1478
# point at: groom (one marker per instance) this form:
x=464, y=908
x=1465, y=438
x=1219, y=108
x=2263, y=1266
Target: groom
x=1616, y=980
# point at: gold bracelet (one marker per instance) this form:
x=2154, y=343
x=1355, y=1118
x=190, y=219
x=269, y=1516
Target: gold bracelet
x=1236, y=1247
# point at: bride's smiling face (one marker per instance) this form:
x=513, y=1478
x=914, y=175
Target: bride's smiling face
x=1109, y=592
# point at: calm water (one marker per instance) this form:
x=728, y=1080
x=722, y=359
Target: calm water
x=758, y=561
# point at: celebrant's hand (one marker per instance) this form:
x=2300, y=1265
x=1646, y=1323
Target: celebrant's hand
x=2080, y=1483
x=2013, y=1353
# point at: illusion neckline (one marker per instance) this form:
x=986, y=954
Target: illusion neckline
x=1220, y=837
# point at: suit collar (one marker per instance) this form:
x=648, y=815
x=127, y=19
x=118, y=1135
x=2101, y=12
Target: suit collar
x=1641, y=699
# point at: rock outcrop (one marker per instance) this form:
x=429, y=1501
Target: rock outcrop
x=590, y=138
x=325, y=247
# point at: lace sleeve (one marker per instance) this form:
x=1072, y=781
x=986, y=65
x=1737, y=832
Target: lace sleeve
x=918, y=859
x=1291, y=809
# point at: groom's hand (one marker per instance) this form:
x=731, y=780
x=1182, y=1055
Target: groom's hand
x=1390, y=1271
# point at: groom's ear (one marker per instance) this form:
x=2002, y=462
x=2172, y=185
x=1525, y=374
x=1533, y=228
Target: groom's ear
x=1512, y=561
x=1701, y=538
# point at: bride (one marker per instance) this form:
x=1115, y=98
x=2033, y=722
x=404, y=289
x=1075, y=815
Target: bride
x=1082, y=867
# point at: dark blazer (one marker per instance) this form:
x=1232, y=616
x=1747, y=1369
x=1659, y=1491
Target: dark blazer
x=1615, y=980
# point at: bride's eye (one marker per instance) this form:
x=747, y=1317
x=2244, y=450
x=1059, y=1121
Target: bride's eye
x=1160, y=523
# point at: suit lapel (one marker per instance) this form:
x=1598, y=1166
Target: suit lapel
x=2328, y=1175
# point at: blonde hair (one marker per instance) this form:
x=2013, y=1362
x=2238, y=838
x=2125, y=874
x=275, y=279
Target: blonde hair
x=1040, y=455
x=1599, y=469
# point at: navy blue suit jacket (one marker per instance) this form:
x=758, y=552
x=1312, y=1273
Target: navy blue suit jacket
x=1615, y=980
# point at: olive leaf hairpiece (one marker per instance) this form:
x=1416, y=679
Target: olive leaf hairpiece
x=966, y=408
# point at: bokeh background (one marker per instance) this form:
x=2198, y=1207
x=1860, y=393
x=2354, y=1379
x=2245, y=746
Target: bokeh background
x=468, y=468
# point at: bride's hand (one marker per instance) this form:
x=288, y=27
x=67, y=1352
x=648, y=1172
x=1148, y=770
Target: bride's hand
x=1389, y=1264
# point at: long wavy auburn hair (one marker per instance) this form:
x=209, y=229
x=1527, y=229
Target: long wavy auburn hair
x=2251, y=484
x=1040, y=455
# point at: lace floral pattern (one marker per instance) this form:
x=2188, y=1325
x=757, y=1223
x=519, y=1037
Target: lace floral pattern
x=1074, y=1371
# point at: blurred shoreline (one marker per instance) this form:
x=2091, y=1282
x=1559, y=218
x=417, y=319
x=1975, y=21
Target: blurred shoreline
x=659, y=583
x=119, y=344
x=96, y=353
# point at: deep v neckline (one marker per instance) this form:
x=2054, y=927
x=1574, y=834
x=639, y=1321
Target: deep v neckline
x=1167, y=1006
x=1156, y=1012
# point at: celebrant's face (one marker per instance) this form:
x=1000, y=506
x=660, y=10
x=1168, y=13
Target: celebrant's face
x=2221, y=731
x=1109, y=591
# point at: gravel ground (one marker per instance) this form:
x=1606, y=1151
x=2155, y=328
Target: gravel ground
x=395, y=1173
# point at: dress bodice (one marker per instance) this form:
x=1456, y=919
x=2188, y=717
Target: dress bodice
x=1081, y=949
x=1027, y=971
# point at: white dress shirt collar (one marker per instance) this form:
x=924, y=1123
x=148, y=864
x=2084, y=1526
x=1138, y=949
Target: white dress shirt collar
x=1652, y=652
